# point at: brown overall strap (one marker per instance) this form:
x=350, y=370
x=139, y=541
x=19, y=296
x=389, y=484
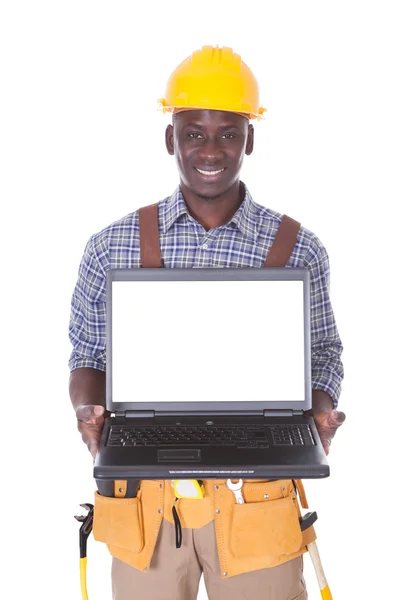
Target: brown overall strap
x=284, y=242
x=150, y=255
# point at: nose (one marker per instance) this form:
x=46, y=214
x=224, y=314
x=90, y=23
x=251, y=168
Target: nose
x=210, y=152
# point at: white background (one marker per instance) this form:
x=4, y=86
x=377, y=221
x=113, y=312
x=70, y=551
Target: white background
x=82, y=145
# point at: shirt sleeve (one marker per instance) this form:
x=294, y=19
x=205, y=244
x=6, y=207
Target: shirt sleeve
x=326, y=346
x=87, y=327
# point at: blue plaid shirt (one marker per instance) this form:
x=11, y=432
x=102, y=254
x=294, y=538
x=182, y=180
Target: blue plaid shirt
x=243, y=242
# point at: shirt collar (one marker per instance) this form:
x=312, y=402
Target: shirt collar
x=174, y=207
x=246, y=218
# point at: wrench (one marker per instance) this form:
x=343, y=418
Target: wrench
x=236, y=488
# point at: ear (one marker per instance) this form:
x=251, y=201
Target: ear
x=250, y=140
x=169, y=139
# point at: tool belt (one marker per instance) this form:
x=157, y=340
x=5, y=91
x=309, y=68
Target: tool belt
x=263, y=532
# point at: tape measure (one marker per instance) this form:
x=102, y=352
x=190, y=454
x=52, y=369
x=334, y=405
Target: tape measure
x=188, y=488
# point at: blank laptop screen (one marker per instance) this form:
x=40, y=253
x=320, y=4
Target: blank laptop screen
x=182, y=341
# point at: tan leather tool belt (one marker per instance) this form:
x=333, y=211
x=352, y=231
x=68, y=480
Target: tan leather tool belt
x=263, y=532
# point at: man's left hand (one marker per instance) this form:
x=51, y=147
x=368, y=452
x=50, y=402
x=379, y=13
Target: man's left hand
x=327, y=424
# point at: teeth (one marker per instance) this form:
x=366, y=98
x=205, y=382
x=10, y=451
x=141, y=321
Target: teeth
x=209, y=172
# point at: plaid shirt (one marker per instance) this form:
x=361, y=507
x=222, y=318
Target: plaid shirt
x=243, y=242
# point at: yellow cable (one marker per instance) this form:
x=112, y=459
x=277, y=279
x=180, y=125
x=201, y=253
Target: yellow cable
x=83, y=562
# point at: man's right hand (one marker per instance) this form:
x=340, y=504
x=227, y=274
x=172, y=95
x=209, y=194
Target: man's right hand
x=90, y=424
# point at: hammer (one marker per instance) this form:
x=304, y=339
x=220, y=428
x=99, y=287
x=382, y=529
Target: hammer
x=305, y=522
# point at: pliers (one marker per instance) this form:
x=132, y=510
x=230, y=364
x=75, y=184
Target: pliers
x=84, y=532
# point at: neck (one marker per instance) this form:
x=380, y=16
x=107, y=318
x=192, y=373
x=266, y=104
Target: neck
x=214, y=211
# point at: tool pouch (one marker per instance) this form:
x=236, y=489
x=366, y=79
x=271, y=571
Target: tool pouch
x=264, y=532
x=130, y=526
x=118, y=522
x=269, y=527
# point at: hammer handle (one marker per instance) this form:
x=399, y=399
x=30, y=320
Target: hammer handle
x=323, y=584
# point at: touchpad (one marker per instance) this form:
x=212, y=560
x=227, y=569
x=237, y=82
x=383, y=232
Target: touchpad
x=179, y=455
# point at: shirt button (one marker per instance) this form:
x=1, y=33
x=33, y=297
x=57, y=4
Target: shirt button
x=205, y=246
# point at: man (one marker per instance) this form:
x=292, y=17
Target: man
x=210, y=221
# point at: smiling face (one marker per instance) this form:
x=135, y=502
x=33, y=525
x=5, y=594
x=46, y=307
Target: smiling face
x=209, y=147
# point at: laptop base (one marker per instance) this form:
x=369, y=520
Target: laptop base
x=212, y=461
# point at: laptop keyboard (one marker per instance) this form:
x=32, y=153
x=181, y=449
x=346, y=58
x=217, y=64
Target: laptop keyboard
x=250, y=436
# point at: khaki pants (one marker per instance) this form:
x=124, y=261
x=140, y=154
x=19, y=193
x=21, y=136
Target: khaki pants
x=174, y=573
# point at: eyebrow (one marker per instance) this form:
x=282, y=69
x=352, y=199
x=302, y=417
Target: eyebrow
x=221, y=127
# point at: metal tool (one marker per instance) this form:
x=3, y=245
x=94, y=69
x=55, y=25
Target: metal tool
x=305, y=522
x=84, y=532
x=236, y=488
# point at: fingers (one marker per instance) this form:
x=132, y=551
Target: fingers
x=327, y=424
x=90, y=425
x=93, y=446
x=90, y=413
x=336, y=418
x=331, y=420
x=91, y=436
x=326, y=443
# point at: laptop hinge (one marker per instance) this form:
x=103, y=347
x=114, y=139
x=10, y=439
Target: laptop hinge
x=135, y=414
x=209, y=413
x=283, y=413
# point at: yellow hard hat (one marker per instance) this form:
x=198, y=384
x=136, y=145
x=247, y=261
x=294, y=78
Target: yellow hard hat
x=213, y=78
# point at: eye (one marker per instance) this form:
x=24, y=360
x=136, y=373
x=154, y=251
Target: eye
x=228, y=136
x=194, y=135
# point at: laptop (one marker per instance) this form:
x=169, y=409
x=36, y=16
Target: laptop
x=208, y=376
